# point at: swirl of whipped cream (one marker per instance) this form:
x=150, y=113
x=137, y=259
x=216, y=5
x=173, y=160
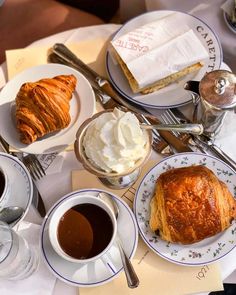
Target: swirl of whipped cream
x=114, y=141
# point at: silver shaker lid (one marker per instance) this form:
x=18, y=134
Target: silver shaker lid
x=218, y=88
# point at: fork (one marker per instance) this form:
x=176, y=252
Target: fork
x=33, y=165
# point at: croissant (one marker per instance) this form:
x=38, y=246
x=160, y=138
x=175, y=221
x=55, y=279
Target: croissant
x=190, y=204
x=43, y=106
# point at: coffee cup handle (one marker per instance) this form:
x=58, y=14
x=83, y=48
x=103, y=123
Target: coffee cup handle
x=109, y=264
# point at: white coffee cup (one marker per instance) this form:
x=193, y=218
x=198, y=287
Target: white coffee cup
x=4, y=188
x=63, y=207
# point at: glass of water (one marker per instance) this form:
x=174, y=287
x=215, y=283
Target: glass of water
x=17, y=259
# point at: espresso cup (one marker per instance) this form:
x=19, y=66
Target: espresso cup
x=82, y=228
x=4, y=188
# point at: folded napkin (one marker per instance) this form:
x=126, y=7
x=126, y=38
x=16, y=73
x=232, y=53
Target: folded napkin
x=227, y=136
x=91, y=52
x=159, y=49
x=157, y=276
x=41, y=281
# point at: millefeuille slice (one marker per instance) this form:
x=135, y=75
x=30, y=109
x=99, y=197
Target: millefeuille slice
x=158, y=84
x=150, y=64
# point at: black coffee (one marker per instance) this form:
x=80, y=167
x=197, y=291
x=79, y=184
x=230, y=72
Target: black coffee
x=84, y=231
x=2, y=183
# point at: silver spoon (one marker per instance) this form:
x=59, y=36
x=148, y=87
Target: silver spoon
x=131, y=276
x=11, y=214
x=196, y=129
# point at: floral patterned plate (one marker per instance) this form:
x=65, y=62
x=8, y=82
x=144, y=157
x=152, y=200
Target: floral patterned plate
x=206, y=251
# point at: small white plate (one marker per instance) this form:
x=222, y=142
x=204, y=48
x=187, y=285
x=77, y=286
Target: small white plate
x=21, y=189
x=203, y=252
x=173, y=95
x=102, y=270
x=82, y=106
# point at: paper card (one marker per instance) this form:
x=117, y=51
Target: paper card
x=91, y=52
x=157, y=276
x=165, y=44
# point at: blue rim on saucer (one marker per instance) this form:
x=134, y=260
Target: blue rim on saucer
x=21, y=188
x=98, y=272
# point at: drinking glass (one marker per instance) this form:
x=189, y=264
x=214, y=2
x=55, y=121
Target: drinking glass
x=17, y=259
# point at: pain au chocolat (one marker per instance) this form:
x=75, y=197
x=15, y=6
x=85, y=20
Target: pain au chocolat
x=190, y=204
x=44, y=106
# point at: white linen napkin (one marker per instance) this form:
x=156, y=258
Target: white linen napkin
x=226, y=138
x=51, y=163
x=163, y=44
x=41, y=281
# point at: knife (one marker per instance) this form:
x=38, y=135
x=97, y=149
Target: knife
x=60, y=53
x=37, y=200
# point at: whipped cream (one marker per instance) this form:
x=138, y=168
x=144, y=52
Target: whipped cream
x=114, y=141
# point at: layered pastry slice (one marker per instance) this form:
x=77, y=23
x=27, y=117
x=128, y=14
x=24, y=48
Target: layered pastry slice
x=159, y=53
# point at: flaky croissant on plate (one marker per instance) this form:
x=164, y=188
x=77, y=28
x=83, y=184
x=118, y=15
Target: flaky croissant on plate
x=43, y=106
x=190, y=204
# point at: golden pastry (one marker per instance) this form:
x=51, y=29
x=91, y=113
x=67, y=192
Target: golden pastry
x=190, y=204
x=43, y=106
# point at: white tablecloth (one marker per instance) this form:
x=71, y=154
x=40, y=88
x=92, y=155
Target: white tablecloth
x=54, y=186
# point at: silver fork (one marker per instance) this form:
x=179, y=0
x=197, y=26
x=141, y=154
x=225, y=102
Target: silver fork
x=34, y=166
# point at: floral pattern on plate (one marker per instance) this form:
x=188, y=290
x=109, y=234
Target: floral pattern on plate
x=205, y=251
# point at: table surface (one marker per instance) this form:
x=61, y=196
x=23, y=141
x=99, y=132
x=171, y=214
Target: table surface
x=48, y=186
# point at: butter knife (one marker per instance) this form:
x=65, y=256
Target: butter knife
x=62, y=54
x=37, y=200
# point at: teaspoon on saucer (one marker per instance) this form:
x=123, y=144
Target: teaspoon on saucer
x=131, y=276
x=11, y=214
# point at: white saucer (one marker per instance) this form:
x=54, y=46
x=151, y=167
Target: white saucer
x=102, y=270
x=21, y=189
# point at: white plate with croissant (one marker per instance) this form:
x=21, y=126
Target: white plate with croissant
x=42, y=108
x=153, y=55
x=185, y=208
